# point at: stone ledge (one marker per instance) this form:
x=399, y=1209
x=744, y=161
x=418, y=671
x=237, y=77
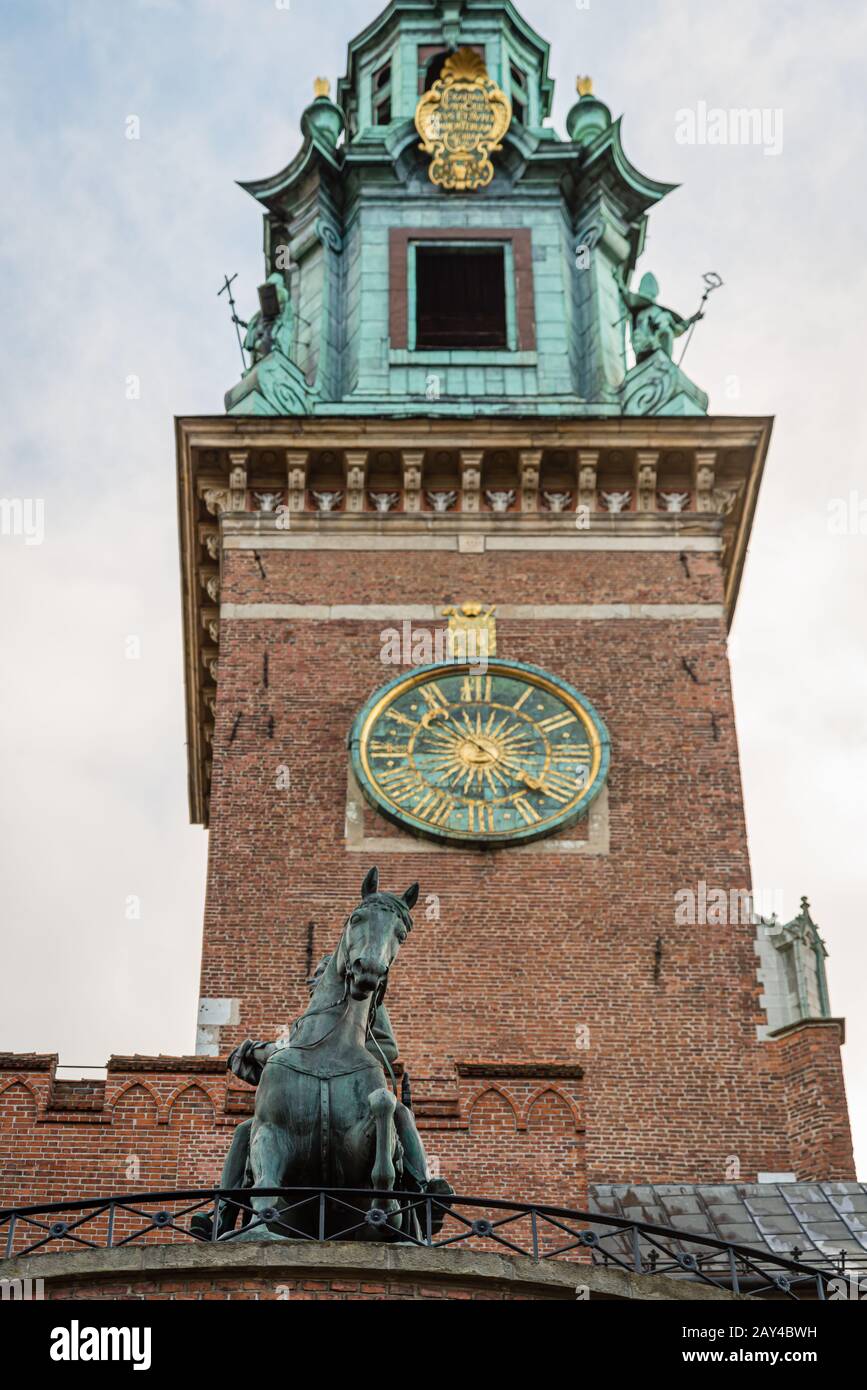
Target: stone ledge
x=552, y=1280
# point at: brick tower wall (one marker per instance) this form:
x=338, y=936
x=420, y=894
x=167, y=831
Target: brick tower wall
x=560, y=1029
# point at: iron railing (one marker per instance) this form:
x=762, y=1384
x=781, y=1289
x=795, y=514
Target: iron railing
x=440, y=1223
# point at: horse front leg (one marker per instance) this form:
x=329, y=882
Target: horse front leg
x=382, y=1106
x=270, y=1155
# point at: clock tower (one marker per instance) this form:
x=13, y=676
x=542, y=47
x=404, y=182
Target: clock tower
x=459, y=563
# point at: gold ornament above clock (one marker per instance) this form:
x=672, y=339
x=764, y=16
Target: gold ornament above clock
x=462, y=121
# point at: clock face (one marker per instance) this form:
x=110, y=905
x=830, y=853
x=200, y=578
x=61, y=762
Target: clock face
x=495, y=759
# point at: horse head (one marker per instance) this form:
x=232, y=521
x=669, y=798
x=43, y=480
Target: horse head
x=372, y=937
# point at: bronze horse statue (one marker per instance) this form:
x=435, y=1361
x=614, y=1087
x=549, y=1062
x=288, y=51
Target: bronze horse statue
x=324, y=1114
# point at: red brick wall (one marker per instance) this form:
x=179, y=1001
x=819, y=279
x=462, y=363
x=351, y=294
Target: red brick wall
x=275, y=1288
x=169, y=1128
x=810, y=1080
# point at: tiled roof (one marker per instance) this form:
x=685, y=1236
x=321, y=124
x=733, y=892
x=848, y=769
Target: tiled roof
x=819, y=1221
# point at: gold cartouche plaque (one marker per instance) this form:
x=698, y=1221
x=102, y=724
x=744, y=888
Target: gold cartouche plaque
x=461, y=121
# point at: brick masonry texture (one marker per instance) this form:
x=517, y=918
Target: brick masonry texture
x=528, y=949
x=526, y=577
x=289, y=1290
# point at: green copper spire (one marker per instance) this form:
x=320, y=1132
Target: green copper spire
x=453, y=275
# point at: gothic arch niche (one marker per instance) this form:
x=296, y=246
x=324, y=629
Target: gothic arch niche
x=136, y=1104
x=201, y=1137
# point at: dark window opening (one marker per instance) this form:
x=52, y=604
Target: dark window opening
x=520, y=95
x=382, y=96
x=461, y=297
x=431, y=62
x=435, y=69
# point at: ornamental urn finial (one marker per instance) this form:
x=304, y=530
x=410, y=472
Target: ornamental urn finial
x=589, y=116
x=322, y=119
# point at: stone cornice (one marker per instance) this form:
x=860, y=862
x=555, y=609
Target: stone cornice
x=801, y=1025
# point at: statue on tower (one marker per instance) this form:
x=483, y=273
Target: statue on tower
x=653, y=327
x=271, y=325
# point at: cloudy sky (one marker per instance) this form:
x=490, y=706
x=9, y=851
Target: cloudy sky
x=111, y=254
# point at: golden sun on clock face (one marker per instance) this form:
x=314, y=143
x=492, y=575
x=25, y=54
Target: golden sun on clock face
x=494, y=758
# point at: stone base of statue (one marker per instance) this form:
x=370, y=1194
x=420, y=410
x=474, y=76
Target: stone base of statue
x=274, y=386
x=657, y=387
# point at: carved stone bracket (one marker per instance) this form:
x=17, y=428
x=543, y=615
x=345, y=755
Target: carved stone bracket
x=471, y=478
x=413, y=465
x=531, y=463
x=211, y=624
x=725, y=499
x=216, y=500
x=297, y=469
x=588, y=474
x=356, y=479
x=210, y=581
x=210, y=661
x=704, y=466
x=646, y=465
x=238, y=477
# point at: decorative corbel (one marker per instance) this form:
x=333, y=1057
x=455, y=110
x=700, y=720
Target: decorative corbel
x=646, y=468
x=238, y=477
x=211, y=624
x=413, y=466
x=356, y=479
x=210, y=581
x=297, y=470
x=725, y=499
x=216, y=500
x=588, y=479
x=704, y=472
x=471, y=478
x=531, y=465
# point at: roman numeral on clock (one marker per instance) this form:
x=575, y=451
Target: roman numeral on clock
x=433, y=696
x=435, y=807
x=476, y=688
x=401, y=719
x=527, y=812
x=561, y=788
x=577, y=753
x=400, y=783
x=480, y=817
x=558, y=721
x=379, y=749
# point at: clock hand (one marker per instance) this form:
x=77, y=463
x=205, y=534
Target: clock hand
x=536, y=784
x=436, y=713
